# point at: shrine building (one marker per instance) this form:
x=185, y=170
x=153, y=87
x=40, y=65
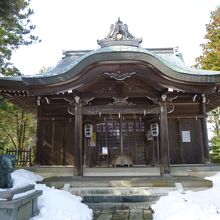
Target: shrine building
x=119, y=106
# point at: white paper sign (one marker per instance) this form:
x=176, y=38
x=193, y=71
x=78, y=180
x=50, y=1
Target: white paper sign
x=186, y=136
x=104, y=150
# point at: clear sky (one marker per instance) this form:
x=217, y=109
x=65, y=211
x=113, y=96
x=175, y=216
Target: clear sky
x=75, y=25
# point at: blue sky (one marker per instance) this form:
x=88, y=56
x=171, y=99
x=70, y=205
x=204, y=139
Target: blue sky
x=74, y=25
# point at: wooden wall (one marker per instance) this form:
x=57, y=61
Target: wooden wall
x=56, y=145
x=55, y=135
x=184, y=149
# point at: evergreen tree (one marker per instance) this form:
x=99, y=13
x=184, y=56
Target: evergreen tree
x=15, y=30
x=210, y=59
x=17, y=127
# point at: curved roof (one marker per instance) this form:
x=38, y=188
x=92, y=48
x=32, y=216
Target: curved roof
x=119, y=57
x=78, y=67
x=169, y=64
x=120, y=51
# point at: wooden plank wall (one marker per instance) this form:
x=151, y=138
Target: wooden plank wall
x=55, y=145
x=185, y=152
x=57, y=137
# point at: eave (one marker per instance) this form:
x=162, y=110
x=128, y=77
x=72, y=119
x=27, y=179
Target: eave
x=170, y=65
x=162, y=70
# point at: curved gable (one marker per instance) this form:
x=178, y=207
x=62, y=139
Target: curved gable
x=169, y=64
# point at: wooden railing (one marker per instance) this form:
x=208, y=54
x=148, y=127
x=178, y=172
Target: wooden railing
x=23, y=157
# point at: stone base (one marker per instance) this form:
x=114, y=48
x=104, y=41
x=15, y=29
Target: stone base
x=22, y=208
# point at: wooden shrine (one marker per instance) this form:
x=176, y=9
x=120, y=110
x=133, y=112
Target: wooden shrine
x=119, y=105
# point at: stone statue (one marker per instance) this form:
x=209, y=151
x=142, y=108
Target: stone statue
x=7, y=163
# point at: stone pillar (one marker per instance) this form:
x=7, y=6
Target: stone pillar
x=204, y=129
x=164, y=138
x=78, y=165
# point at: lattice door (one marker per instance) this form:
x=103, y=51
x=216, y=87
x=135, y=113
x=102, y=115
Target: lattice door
x=108, y=135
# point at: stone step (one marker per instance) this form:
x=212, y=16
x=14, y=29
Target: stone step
x=119, y=199
x=124, y=214
x=113, y=206
x=120, y=190
x=100, y=202
x=151, y=181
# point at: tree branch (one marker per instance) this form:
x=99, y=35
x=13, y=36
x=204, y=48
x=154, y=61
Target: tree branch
x=9, y=135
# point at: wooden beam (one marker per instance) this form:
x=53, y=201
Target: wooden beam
x=164, y=140
x=196, y=116
x=123, y=109
x=59, y=118
x=185, y=103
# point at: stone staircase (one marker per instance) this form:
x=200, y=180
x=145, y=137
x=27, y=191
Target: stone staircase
x=125, y=193
x=134, y=195
x=120, y=203
x=120, y=197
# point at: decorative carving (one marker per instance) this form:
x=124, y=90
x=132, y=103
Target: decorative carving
x=71, y=110
x=74, y=104
x=119, y=76
x=87, y=101
x=70, y=100
x=153, y=99
x=119, y=35
x=121, y=101
x=172, y=110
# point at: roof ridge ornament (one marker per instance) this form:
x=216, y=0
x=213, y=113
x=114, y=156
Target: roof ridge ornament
x=119, y=35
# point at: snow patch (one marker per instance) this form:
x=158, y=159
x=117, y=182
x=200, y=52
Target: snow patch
x=54, y=204
x=200, y=205
x=23, y=177
x=57, y=204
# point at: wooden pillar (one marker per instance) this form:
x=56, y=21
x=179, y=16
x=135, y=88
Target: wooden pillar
x=204, y=129
x=39, y=142
x=182, y=159
x=164, y=139
x=121, y=136
x=78, y=166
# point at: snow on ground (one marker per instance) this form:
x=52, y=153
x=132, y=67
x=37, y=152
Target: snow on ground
x=58, y=204
x=23, y=177
x=202, y=205
x=54, y=204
